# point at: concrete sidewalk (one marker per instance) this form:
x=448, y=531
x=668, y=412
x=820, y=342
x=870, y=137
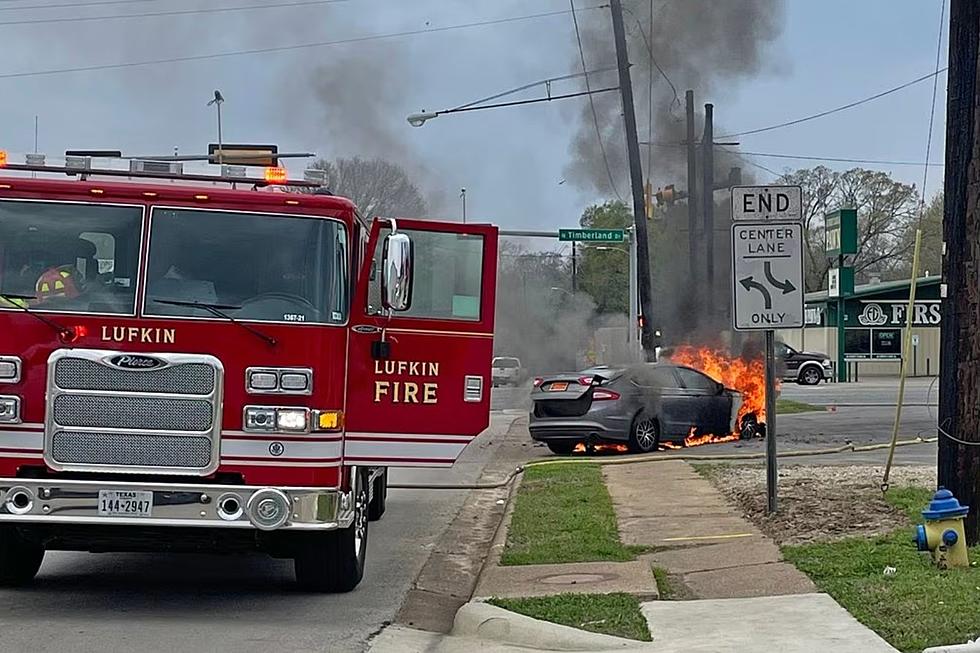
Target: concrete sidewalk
x=699, y=537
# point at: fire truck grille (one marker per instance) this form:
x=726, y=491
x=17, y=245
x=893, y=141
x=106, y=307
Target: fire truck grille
x=132, y=449
x=101, y=418
x=133, y=412
x=84, y=374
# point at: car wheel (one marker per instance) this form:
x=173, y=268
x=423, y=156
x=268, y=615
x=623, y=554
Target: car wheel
x=378, y=502
x=645, y=434
x=810, y=375
x=334, y=561
x=20, y=558
x=562, y=448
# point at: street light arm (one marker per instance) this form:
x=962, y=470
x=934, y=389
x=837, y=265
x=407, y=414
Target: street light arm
x=418, y=119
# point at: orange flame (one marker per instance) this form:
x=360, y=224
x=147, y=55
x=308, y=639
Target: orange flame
x=746, y=376
x=601, y=447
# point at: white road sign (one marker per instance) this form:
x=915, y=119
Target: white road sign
x=783, y=203
x=767, y=275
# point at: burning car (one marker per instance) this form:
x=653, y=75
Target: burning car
x=641, y=407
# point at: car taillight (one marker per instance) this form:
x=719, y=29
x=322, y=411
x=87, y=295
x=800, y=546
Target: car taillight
x=604, y=395
x=538, y=381
x=586, y=380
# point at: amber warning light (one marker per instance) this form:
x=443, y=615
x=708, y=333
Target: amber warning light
x=275, y=175
x=3, y=158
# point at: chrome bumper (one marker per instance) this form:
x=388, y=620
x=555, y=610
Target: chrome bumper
x=24, y=500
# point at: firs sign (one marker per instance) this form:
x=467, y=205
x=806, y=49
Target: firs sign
x=767, y=275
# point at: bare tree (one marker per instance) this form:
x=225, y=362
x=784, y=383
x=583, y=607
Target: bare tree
x=377, y=187
x=886, y=209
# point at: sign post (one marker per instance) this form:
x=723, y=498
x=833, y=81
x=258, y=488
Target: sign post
x=841, y=241
x=767, y=282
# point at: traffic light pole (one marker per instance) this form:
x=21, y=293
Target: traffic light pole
x=636, y=181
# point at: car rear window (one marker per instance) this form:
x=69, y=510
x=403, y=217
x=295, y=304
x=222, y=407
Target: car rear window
x=656, y=377
x=506, y=363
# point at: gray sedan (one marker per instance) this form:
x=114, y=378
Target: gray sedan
x=640, y=406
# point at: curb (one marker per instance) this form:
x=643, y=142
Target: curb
x=970, y=647
x=488, y=622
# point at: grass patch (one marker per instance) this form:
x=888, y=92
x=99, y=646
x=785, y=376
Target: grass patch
x=664, y=584
x=920, y=606
x=609, y=614
x=563, y=513
x=789, y=406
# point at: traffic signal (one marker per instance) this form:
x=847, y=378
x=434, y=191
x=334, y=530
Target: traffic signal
x=668, y=195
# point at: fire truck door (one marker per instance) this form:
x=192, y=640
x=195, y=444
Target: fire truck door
x=430, y=396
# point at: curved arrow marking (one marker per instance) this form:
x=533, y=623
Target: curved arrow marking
x=786, y=286
x=749, y=283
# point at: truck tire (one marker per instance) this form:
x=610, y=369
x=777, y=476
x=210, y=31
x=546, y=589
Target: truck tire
x=334, y=561
x=20, y=558
x=810, y=375
x=380, y=499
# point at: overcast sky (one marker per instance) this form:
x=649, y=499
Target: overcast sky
x=352, y=98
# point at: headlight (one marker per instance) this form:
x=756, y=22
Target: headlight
x=258, y=418
x=293, y=419
x=9, y=369
x=10, y=410
x=827, y=362
x=279, y=380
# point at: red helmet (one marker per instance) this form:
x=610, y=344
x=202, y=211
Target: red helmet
x=58, y=282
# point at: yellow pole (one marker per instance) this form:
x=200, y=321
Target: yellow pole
x=906, y=345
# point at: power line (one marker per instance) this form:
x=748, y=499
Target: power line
x=932, y=111
x=595, y=116
x=649, y=45
x=160, y=14
x=73, y=5
x=286, y=48
x=850, y=105
x=749, y=161
x=803, y=157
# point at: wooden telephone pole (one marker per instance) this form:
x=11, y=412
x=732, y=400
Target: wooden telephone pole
x=959, y=388
x=636, y=182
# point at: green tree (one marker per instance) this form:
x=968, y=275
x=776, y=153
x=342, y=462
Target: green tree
x=931, y=250
x=604, y=273
x=886, y=210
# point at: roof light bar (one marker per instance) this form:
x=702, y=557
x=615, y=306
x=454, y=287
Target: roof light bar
x=276, y=175
x=3, y=158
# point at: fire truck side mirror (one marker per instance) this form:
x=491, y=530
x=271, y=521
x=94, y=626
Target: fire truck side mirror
x=396, y=280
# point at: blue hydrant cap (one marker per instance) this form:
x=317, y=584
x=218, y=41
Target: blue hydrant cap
x=944, y=506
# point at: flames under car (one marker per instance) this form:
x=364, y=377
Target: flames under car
x=644, y=407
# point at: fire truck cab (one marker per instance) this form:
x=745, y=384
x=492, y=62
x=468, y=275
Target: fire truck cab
x=199, y=362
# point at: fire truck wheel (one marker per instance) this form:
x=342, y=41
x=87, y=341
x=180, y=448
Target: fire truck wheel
x=334, y=562
x=645, y=434
x=378, y=502
x=20, y=558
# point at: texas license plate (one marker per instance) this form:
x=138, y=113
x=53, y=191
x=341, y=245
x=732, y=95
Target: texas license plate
x=125, y=503
x=558, y=387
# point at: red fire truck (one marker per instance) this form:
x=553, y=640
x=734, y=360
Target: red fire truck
x=198, y=362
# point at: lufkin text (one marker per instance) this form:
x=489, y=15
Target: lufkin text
x=403, y=391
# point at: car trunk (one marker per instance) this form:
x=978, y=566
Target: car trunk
x=562, y=397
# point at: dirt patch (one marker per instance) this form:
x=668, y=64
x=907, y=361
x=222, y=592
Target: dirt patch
x=819, y=504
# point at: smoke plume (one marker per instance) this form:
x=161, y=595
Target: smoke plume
x=704, y=45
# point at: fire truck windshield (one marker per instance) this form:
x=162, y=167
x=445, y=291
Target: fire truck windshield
x=69, y=257
x=258, y=267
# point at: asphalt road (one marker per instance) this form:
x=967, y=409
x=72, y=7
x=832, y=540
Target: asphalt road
x=108, y=603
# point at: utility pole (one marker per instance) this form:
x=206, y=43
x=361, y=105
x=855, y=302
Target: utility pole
x=959, y=385
x=462, y=196
x=692, y=199
x=708, y=172
x=636, y=181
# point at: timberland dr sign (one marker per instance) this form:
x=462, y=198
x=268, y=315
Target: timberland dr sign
x=770, y=203
x=592, y=235
x=767, y=275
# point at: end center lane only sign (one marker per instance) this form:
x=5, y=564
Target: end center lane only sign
x=767, y=275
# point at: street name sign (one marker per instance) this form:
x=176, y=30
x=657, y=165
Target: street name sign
x=767, y=275
x=771, y=203
x=593, y=235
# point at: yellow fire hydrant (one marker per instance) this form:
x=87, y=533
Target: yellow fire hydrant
x=942, y=533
